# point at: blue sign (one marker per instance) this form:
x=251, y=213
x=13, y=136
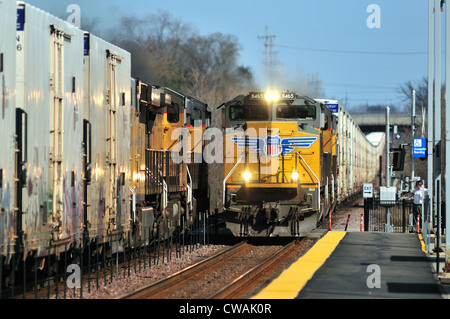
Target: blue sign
x=419, y=147
x=86, y=44
x=20, y=26
x=333, y=107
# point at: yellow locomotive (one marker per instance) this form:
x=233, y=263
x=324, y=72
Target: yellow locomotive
x=280, y=163
x=161, y=186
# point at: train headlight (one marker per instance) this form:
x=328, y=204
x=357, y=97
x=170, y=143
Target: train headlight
x=247, y=175
x=294, y=176
x=272, y=96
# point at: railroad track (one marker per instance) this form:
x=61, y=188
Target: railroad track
x=203, y=278
x=240, y=286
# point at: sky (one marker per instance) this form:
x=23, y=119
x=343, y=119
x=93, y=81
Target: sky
x=332, y=39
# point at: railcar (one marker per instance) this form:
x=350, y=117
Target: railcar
x=106, y=138
x=282, y=157
x=358, y=158
x=44, y=200
x=49, y=101
x=8, y=173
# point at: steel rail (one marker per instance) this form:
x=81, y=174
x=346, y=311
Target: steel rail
x=232, y=289
x=165, y=283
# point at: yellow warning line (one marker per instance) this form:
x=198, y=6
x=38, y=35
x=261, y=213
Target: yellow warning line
x=422, y=243
x=293, y=279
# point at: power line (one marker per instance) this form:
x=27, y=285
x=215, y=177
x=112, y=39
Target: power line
x=359, y=86
x=350, y=52
x=358, y=92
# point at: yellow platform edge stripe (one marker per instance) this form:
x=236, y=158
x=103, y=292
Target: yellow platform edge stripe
x=291, y=281
x=422, y=243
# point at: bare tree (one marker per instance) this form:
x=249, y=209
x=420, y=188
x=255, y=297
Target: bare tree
x=167, y=52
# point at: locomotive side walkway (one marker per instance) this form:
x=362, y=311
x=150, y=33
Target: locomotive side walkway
x=359, y=265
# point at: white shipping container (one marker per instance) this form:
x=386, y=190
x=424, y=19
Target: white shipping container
x=8, y=20
x=108, y=95
x=50, y=92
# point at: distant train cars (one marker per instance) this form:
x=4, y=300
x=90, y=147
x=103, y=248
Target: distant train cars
x=85, y=147
x=289, y=160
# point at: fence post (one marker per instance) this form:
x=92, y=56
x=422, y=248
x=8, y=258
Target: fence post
x=346, y=225
x=366, y=213
x=404, y=217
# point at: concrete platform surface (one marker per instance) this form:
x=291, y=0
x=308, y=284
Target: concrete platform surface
x=344, y=265
x=375, y=265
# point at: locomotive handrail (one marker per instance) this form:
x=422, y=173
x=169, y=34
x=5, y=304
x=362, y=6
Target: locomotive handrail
x=189, y=188
x=228, y=176
x=318, y=181
x=309, y=168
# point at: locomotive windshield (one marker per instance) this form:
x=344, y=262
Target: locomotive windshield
x=304, y=112
x=249, y=112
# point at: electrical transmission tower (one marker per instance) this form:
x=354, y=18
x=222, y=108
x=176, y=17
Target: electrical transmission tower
x=269, y=56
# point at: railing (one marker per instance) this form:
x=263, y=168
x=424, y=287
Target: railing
x=161, y=168
x=375, y=216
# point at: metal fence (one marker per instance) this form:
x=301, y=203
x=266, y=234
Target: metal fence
x=400, y=214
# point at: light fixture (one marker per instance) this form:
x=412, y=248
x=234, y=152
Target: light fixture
x=272, y=96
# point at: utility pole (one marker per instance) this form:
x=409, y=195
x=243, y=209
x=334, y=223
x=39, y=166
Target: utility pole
x=388, y=146
x=437, y=123
x=413, y=130
x=430, y=144
x=388, y=226
x=268, y=61
x=447, y=137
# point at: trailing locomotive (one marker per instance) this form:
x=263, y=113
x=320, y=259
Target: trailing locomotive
x=281, y=163
x=161, y=186
x=86, y=156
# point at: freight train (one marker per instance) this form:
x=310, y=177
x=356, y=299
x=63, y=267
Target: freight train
x=85, y=147
x=88, y=151
x=288, y=161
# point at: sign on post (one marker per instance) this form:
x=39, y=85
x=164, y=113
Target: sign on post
x=419, y=147
x=367, y=190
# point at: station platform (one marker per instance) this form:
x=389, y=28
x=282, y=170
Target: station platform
x=344, y=265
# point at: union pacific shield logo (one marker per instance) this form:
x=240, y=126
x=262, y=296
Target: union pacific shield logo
x=274, y=145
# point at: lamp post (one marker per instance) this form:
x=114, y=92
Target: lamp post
x=388, y=227
x=447, y=136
